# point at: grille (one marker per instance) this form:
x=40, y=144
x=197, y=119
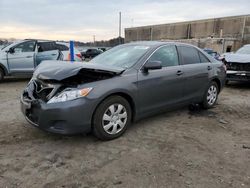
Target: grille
x=40, y=90
x=238, y=66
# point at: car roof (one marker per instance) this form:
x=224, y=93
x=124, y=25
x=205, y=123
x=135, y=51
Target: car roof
x=40, y=40
x=208, y=49
x=158, y=43
x=44, y=40
x=148, y=43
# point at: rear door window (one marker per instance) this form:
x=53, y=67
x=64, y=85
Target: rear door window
x=62, y=47
x=189, y=55
x=46, y=46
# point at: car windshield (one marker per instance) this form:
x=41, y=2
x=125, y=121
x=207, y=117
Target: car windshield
x=123, y=56
x=244, y=50
x=6, y=45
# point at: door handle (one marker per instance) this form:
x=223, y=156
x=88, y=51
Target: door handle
x=53, y=54
x=209, y=68
x=179, y=72
x=29, y=56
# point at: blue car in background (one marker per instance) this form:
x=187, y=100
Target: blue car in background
x=214, y=54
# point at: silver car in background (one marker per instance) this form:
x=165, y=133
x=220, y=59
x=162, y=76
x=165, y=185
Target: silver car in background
x=22, y=57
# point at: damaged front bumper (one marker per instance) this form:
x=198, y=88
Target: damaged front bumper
x=68, y=117
x=233, y=75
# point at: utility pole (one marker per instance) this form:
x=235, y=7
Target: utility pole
x=151, y=33
x=93, y=40
x=243, y=28
x=120, y=26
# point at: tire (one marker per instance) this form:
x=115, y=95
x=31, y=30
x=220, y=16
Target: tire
x=111, y=118
x=1, y=74
x=210, y=96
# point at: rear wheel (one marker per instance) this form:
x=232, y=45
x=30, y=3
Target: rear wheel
x=111, y=118
x=211, y=95
x=1, y=74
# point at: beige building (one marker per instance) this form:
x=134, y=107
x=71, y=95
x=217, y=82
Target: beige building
x=222, y=34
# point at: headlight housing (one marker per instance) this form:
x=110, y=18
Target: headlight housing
x=70, y=94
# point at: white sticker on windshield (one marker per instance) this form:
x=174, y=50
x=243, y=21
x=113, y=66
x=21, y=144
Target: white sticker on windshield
x=141, y=47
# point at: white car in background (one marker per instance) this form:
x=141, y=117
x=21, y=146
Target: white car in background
x=238, y=64
x=22, y=57
x=64, y=47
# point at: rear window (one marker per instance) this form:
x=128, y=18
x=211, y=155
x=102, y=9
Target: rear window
x=62, y=47
x=49, y=46
x=189, y=55
x=203, y=58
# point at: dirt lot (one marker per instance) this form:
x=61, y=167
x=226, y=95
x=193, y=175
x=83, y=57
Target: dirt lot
x=175, y=149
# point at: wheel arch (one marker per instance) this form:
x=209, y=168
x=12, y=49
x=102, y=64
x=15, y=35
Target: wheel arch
x=218, y=82
x=4, y=69
x=121, y=94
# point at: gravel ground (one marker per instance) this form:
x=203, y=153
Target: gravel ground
x=175, y=149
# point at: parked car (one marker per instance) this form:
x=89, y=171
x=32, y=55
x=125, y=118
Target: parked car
x=91, y=53
x=103, y=49
x=64, y=48
x=22, y=57
x=122, y=85
x=213, y=53
x=238, y=64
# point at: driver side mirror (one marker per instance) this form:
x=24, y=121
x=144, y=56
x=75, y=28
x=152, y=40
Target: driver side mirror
x=152, y=65
x=11, y=50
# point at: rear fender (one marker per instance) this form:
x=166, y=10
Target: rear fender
x=4, y=68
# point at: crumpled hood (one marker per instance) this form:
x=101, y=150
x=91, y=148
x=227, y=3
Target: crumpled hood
x=237, y=58
x=59, y=70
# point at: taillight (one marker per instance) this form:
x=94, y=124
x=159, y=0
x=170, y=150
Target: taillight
x=79, y=55
x=68, y=59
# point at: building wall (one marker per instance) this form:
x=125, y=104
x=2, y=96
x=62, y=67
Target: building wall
x=236, y=27
x=246, y=33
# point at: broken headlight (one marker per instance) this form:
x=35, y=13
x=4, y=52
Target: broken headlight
x=68, y=95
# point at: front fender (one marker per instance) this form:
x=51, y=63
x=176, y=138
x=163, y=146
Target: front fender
x=121, y=85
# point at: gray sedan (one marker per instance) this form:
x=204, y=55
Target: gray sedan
x=120, y=86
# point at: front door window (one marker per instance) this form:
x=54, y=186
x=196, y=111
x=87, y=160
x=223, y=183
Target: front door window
x=25, y=47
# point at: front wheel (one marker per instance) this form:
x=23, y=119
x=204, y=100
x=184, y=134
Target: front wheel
x=112, y=117
x=211, y=95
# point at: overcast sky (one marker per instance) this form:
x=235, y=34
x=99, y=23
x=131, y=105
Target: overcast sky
x=81, y=19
